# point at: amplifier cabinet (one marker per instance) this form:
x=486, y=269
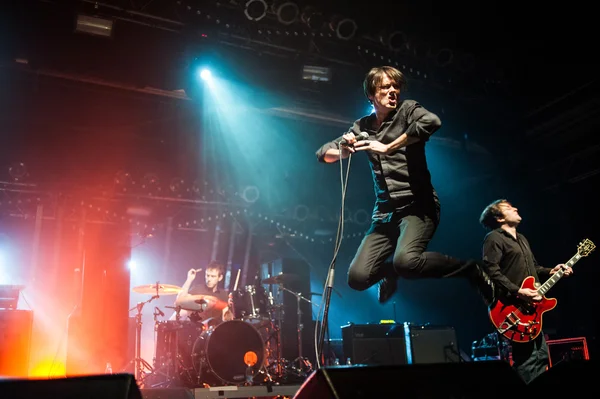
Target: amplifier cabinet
x=394, y=344
x=374, y=344
x=431, y=344
x=567, y=349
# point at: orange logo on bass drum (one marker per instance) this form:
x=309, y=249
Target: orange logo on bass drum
x=250, y=358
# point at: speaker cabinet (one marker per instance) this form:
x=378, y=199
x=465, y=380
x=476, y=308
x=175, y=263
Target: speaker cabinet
x=105, y=386
x=415, y=381
x=389, y=344
x=431, y=344
x=374, y=344
x=15, y=342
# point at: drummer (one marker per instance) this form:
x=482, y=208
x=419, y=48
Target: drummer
x=212, y=304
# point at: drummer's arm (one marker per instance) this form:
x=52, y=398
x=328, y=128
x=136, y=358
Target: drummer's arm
x=228, y=310
x=185, y=288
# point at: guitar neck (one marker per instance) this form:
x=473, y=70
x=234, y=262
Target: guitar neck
x=558, y=275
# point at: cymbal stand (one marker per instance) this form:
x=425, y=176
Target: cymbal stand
x=139, y=363
x=303, y=363
x=275, y=323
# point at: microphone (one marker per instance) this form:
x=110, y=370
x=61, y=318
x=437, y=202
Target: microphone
x=361, y=136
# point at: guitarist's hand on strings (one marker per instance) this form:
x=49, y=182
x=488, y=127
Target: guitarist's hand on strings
x=529, y=295
x=567, y=269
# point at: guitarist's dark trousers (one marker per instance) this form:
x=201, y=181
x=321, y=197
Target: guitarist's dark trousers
x=530, y=359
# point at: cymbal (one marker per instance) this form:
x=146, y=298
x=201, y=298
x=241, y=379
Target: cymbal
x=280, y=279
x=200, y=302
x=163, y=289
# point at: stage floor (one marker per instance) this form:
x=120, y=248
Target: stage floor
x=222, y=392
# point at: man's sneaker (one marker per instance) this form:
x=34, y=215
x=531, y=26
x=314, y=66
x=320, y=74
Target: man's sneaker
x=387, y=287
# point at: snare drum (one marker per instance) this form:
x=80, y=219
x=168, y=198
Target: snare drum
x=233, y=352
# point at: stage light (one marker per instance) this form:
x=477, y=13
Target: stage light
x=18, y=171
x=94, y=25
x=301, y=212
x=255, y=10
x=397, y=41
x=132, y=264
x=205, y=74
x=444, y=57
x=250, y=194
x=286, y=11
x=312, y=18
x=344, y=28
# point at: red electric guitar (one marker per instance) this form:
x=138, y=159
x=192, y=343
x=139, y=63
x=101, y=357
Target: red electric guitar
x=521, y=321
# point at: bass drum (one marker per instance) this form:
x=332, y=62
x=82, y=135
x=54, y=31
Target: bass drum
x=233, y=352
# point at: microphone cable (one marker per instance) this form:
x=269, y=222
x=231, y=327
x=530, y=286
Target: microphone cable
x=323, y=324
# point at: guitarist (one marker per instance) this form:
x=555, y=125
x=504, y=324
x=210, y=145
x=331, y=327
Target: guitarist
x=509, y=260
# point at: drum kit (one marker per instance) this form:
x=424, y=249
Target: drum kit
x=244, y=349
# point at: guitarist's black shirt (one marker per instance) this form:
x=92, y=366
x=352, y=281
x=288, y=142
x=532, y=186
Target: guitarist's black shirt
x=510, y=261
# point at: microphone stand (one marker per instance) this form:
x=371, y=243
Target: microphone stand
x=326, y=301
x=331, y=272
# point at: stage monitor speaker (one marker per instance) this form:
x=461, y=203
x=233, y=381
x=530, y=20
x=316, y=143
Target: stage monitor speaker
x=103, y=386
x=15, y=342
x=415, y=381
x=579, y=375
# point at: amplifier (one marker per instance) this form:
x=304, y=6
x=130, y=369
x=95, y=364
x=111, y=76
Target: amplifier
x=431, y=344
x=567, y=349
x=394, y=344
x=374, y=344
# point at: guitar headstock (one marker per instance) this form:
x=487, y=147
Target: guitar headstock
x=585, y=247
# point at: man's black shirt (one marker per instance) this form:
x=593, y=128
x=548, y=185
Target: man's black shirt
x=510, y=261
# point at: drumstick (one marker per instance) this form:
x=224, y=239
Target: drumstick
x=236, y=280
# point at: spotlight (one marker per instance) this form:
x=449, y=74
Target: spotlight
x=301, y=212
x=18, y=171
x=255, y=10
x=312, y=18
x=205, y=74
x=344, y=28
x=397, y=41
x=287, y=11
x=444, y=57
x=250, y=194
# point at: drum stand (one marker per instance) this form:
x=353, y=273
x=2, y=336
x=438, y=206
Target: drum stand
x=304, y=365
